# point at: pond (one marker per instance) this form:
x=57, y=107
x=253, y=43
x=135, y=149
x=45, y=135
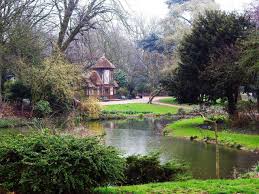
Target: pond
x=144, y=136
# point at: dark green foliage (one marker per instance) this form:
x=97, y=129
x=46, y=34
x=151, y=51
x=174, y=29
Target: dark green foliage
x=16, y=90
x=211, y=33
x=249, y=61
x=224, y=77
x=147, y=169
x=43, y=163
x=248, y=117
x=152, y=43
x=121, y=78
x=42, y=108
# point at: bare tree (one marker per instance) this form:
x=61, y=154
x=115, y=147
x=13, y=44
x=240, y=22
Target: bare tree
x=15, y=13
x=76, y=17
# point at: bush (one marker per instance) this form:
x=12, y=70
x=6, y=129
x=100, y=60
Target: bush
x=257, y=168
x=123, y=92
x=16, y=90
x=90, y=108
x=248, y=109
x=44, y=163
x=181, y=111
x=147, y=169
x=253, y=173
x=42, y=108
x=247, y=115
x=220, y=119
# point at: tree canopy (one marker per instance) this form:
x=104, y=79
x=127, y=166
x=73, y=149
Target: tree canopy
x=211, y=33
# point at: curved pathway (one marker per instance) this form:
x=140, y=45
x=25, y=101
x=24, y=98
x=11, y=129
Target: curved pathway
x=157, y=101
x=145, y=100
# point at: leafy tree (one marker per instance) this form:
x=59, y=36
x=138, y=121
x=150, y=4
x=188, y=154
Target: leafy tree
x=16, y=91
x=249, y=60
x=121, y=78
x=152, y=43
x=210, y=34
x=224, y=77
x=54, y=80
x=17, y=17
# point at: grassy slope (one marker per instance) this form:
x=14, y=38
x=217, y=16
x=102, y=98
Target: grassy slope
x=189, y=127
x=152, y=108
x=192, y=186
x=171, y=100
x=4, y=123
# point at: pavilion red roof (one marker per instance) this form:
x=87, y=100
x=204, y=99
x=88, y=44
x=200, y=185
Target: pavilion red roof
x=103, y=63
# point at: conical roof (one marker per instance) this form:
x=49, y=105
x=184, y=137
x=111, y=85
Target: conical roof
x=103, y=63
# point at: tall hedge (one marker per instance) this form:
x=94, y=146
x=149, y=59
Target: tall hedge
x=44, y=163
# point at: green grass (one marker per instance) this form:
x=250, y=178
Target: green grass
x=6, y=123
x=190, y=127
x=171, y=100
x=140, y=108
x=247, y=186
x=12, y=126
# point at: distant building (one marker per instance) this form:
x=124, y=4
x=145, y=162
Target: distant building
x=100, y=80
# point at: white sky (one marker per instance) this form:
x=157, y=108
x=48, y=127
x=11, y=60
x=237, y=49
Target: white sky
x=158, y=8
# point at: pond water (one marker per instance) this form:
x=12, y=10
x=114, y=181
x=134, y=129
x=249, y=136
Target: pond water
x=144, y=136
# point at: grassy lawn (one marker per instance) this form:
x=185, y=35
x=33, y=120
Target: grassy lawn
x=5, y=123
x=140, y=108
x=12, y=122
x=171, y=100
x=189, y=127
x=13, y=126
x=193, y=186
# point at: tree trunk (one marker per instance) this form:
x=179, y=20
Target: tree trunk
x=217, y=151
x=0, y=86
x=154, y=94
x=257, y=98
x=232, y=110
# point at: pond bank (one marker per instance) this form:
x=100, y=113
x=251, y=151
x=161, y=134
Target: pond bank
x=189, y=129
x=192, y=186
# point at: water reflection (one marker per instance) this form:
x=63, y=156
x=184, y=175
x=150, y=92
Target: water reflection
x=144, y=136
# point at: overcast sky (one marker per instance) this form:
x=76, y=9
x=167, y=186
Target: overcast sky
x=157, y=8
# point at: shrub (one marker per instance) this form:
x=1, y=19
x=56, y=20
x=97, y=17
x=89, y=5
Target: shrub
x=257, y=168
x=248, y=110
x=147, y=169
x=218, y=118
x=247, y=116
x=90, y=107
x=44, y=163
x=43, y=108
x=254, y=172
x=123, y=92
x=16, y=90
x=181, y=111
